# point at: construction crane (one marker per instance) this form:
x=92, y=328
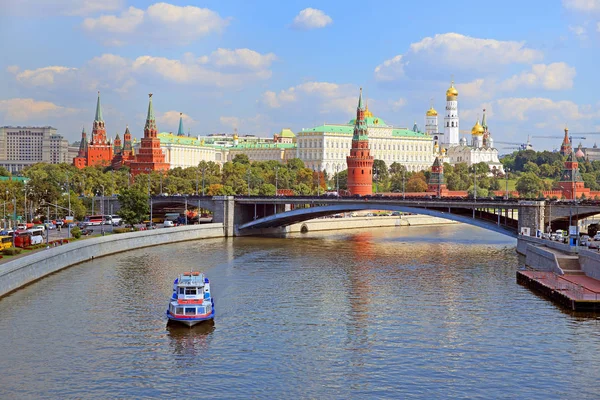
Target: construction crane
x=572, y=136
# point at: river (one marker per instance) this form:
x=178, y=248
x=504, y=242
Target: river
x=429, y=312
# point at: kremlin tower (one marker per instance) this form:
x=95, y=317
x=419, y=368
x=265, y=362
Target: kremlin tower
x=451, y=128
x=123, y=154
x=437, y=183
x=99, y=150
x=360, y=162
x=571, y=184
x=565, y=148
x=150, y=156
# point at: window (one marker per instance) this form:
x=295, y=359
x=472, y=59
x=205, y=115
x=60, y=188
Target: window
x=362, y=171
x=190, y=311
x=190, y=291
x=179, y=310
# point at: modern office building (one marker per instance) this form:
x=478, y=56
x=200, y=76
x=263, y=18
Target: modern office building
x=21, y=146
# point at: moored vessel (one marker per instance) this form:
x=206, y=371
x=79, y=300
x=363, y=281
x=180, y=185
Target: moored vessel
x=191, y=301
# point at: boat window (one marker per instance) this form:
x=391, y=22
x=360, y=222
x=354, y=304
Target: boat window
x=181, y=290
x=191, y=291
x=190, y=311
x=179, y=310
x=207, y=295
x=200, y=310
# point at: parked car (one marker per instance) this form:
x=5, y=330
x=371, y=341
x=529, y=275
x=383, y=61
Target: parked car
x=168, y=224
x=87, y=232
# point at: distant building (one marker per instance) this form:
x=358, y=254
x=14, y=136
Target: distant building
x=22, y=146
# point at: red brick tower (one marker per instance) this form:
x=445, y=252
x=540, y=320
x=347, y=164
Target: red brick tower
x=571, y=184
x=100, y=151
x=360, y=162
x=150, y=156
x=81, y=160
x=566, y=148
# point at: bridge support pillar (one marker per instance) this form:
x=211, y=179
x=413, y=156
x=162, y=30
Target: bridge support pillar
x=531, y=215
x=224, y=213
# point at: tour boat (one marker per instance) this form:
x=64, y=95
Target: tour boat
x=191, y=301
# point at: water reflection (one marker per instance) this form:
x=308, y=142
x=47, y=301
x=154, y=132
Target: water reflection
x=190, y=341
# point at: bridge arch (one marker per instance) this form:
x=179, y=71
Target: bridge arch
x=304, y=214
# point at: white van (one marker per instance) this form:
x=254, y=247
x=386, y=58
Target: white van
x=37, y=235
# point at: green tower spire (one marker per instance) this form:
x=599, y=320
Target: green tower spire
x=98, y=110
x=180, y=131
x=150, y=116
x=360, y=104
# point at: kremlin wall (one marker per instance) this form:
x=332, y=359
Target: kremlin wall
x=330, y=148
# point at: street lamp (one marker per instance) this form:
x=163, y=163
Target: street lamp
x=203, y=170
x=403, y=195
x=337, y=179
x=197, y=170
x=276, y=177
x=506, y=176
x=376, y=178
x=102, y=211
x=248, y=174
x=475, y=182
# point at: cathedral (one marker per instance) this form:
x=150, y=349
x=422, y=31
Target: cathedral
x=453, y=150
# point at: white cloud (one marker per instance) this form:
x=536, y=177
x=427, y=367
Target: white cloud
x=239, y=58
x=331, y=97
x=555, y=76
x=398, y=104
x=46, y=76
x=231, y=122
x=582, y=5
x=455, y=52
x=390, y=70
x=579, y=30
x=170, y=121
x=475, y=89
x=537, y=108
x=160, y=22
x=19, y=109
x=223, y=68
x=58, y=7
x=311, y=18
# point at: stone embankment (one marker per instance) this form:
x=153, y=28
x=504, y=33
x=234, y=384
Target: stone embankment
x=24, y=270
x=565, y=274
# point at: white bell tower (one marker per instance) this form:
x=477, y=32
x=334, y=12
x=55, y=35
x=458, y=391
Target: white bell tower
x=451, y=126
x=431, y=121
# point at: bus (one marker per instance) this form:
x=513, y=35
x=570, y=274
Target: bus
x=94, y=220
x=5, y=242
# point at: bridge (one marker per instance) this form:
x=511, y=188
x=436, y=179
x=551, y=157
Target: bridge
x=257, y=215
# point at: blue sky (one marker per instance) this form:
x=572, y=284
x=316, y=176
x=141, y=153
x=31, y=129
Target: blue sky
x=261, y=66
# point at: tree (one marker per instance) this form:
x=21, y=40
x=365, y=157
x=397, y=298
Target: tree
x=529, y=185
x=134, y=205
x=417, y=183
x=4, y=172
x=266, y=189
x=241, y=159
x=531, y=167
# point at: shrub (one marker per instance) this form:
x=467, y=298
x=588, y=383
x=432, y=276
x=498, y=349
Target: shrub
x=11, y=251
x=76, y=232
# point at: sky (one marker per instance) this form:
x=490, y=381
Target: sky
x=260, y=66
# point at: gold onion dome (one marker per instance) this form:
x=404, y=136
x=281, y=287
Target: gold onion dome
x=477, y=129
x=452, y=92
x=367, y=112
x=431, y=112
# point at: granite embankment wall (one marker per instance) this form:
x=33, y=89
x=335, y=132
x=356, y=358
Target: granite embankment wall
x=21, y=271
x=325, y=224
x=589, y=260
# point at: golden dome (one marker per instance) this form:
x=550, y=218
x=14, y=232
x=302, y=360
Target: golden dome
x=451, y=92
x=477, y=129
x=431, y=112
x=367, y=112
x=443, y=151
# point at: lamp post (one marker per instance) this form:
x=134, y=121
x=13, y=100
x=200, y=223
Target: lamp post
x=248, y=174
x=337, y=179
x=403, y=195
x=4, y=218
x=506, y=176
x=69, y=195
x=276, y=177
x=102, y=211
x=197, y=181
x=203, y=170
x=14, y=219
x=376, y=178
x=475, y=182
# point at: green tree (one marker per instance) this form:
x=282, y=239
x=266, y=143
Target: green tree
x=529, y=185
x=266, y=189
x=531, y=167
x=4, y=172
x=241, y=159
x=134, y=205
